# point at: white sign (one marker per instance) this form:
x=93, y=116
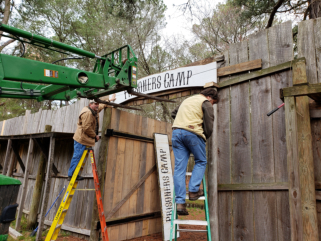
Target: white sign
x=193, y=76
x=165, y=181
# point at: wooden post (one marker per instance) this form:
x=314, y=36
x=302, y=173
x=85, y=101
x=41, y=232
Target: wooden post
x=47, y=188
x=305, y=155
x=7, y=158
x=32, y=217
x=304, y=223
x=11, y=164
x=24, y=185
x=293, y=169
x=212, y=181
x=101, y=169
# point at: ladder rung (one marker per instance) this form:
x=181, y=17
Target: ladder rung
x=191, y=230
x=201, y=198
x=65, y=210
x=190, y=222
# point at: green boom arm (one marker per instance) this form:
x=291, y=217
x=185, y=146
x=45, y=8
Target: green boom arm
x=30, y=79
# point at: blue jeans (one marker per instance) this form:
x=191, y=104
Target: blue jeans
x=78, y=150
x=184, y=143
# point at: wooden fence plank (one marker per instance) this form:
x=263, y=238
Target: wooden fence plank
x=212, y=182
x=26, y=120
x=237, y=68
x=36, y=121
x=142, y=172
x=280, y=51
x=7, y=157
x=223, y=151
x=306, y=49
x=317, y=42
x=241, y=151
x=24, y=184
x=224, y=160
x=262, y=143
x=135, y=174
x=44, y=205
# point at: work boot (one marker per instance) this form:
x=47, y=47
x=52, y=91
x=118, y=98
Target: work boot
x=79, y=178
x=181, y=209
x=193, y=196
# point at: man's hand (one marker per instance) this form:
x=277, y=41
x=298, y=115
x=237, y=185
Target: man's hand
x=97, y=138
x=113, y=98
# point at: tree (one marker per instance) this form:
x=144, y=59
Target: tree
x=224, y=26
x=270, y=8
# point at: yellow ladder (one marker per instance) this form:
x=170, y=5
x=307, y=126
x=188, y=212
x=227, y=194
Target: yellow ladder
x=65, y=203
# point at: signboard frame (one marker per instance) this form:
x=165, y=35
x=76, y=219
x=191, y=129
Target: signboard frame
x=165, y=181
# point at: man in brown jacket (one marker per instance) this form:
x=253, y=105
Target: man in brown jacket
x=86, y=133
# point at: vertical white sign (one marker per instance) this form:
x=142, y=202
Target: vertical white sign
x=165, y=181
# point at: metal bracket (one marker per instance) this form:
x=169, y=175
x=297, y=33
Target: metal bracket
x=116, y=105
x=132, y=92
x=112, y=132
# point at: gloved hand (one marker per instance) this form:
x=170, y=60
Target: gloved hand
x=113, y=98
x=106, y=98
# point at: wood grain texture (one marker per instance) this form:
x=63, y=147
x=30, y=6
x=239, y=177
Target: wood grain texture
x=212, y=177
x=280, y=50
x=306, y=48
x=306, y=172
x=262, y=143
x=253, y=186
x=293, y=170
x=240, y=134
x=142, y=171
x=46, y=188
x=261, y=127
x=305, y=155
x=135, y=174
x=317, y=42
x=223, y=134
x=25, y=185
x=7, y=157
x=238, y=68
x=316, y=146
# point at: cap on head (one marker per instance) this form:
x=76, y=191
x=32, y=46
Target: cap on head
x=92, y=101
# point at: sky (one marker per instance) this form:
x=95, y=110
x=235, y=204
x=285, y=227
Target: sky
x=177, y=22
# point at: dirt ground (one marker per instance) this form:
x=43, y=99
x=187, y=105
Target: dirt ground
x=194, y=214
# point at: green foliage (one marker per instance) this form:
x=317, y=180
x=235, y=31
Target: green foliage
x=254, y=9
x=96, y=26
x=11, y=108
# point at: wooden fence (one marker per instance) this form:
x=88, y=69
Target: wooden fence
x=248, y=173
x=131, y=186
x=248, y=167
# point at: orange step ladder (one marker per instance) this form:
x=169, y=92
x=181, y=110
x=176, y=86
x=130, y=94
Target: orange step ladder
x=66, y=201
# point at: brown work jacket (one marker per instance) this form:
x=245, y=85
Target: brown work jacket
x=85, y=133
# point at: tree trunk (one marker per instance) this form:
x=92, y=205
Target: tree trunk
x=315, y=9
x=6, y=13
